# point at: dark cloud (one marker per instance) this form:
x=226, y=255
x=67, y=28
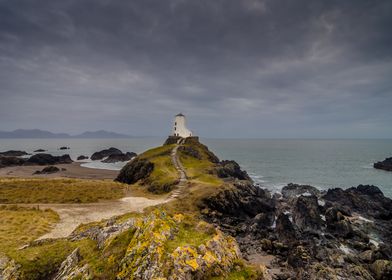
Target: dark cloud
x=250, y=68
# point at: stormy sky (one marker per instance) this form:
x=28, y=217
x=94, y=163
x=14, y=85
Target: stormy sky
x=236, y=68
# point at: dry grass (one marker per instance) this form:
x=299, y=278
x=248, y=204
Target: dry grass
x=17, y=190
x=20, y=225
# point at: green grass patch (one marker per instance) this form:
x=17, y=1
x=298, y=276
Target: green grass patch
x=19, y=226
x=15, y=190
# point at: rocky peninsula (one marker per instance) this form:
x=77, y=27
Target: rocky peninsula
x=215, y=223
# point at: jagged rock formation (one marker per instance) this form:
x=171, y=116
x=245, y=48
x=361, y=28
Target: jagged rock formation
x=9, y=269
x=386, y=164
x=342, y=234
x=231, y=169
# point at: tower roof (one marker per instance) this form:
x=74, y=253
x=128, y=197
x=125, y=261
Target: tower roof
x=180, y=115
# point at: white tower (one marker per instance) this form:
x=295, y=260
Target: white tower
x=179, y=128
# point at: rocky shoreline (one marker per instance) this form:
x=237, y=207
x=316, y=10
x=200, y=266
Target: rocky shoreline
x=308, y=234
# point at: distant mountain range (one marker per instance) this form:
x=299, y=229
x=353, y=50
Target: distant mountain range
x=37, y=133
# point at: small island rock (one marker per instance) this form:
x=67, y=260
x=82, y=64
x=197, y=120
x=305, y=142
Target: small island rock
x=386, y=164
x=105, y=153
x=82, y=157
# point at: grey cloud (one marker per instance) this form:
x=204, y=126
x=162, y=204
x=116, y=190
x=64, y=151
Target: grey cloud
x=285, y=67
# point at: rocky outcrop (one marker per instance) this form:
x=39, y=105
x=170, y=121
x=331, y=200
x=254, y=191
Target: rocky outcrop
x=231, y=169
x=122, y=157
x=47, y=159
x=384, y=165
x=336, y=234
x=47, y=170
x=12, y=153
x=82, y=157
x=9, y=269
x=71, y=269
x=156, y=250
x=295, y=190
x=105, y=153
x=11, y=161
x=137, y=169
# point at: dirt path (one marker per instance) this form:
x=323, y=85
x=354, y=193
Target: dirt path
x=72, y=215
x=181, y=170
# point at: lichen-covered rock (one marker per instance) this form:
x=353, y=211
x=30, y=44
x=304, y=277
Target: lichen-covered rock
x=9, y=269
x=71, y=269
x=382, y=269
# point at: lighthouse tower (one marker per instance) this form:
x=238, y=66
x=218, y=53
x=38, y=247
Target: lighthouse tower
x=179, y=127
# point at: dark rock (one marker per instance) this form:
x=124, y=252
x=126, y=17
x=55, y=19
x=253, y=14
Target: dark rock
x=11, y=161
x=47, y=170
x=364, y=199
x=306, y=213
x=12, y=153
x=294, y=190
x=231, y=169
x=82, y=157
x=172, y=140
x=244, y=201
x=64, y=148
x=47, y=159
x=299, y=257
x=105, y=153
x=284, y=228
x=384, y=165
x=135, y=170
x=39, y=151
x=123, y=157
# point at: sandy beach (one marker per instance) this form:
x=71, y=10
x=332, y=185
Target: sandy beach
x=73, y=170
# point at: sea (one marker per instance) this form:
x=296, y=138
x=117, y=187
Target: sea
x=272, y=163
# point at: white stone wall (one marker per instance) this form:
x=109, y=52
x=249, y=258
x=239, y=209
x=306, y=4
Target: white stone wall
x=179, y=127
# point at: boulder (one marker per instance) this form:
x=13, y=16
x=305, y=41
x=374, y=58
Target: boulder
x=82, y=157
x=284, y=228
x=12, y=153
x=294, y=190
x=47, y=170
x=135, y=170
x=105, y=153
x=306, y=213
x=231, y=169
x=64, y=148
x=47, y=159
x=123, y=157
x=384, y=165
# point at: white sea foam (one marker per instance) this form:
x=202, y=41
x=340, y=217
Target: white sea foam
x=104, y=165
x=345, y=249
x=365, y=220
x=321, y=202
